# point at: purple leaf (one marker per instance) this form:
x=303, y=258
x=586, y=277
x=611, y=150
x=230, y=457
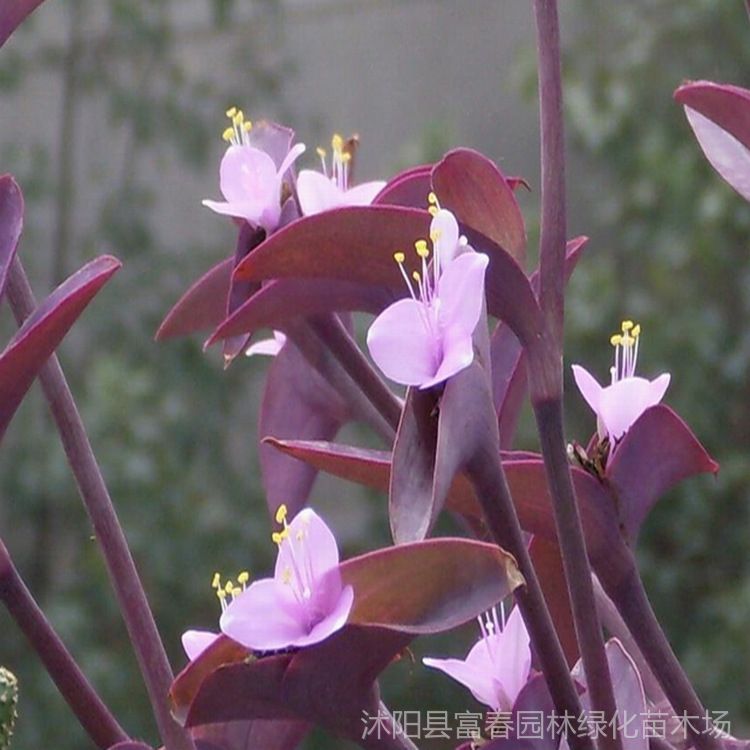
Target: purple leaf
x=354, y=243
x=267, y=734
x=203, y=306
x=657, y=452
x=12, y=13
x=43, y=330
x=458, y=580
x=297, y=403
x=720, y=117
x=408, y=188
x=477, y=192
x=130, y=745
x=279, y=301
x=247, y=240
x=11, y=224
x=545, y=555
x=410, y=507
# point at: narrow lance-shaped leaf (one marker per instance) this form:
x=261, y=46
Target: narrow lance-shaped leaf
x=477, y=192
x=11, y=225
x=719, y=115
x=12, y=13
x=43, y=330
x=408, y=188
x=203, y=306
x=657, y=452
x=297, y=402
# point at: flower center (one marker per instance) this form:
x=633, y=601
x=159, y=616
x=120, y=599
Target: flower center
x=227, y=592
x=341, y=157
x=490, y=627
x=626, y=351
x=237, y=133
x=297, y=573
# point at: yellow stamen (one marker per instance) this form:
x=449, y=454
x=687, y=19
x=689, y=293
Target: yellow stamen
x=432, y=198
x=243, y=577
x=616, y=340
x=231, y=112
x=281, y=513
x=636, y=332
x=228, y=134
x=216, y=582
x=433, y=211
x=337, y=143
x=415, y=275
x=399, y=258
x=321, y=152
x=229, y=588
x=627, y=325
x=421, y=248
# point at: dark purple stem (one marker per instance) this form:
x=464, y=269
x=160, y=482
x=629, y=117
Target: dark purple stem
x=93, y=715
x=747, y=8
x=631, y=600
x=553, y=220
x=545, y=370
x=331, y=331
x=576, y=563
x=139, y=620
x=491, y=487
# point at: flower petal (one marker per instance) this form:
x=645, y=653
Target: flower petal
x=444, y=228
x=461, y=291
x=332, y=622
x=195, y=642
x=267, y=347
x=621, y=403
x=402, y=345
x=458, y=354
x=513, y=658
x=265, y=617
x=364, y=194
x=310, y=546
x=588, y=386
x=317, y=193
x=478, y=680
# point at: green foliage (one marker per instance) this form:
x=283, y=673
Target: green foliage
x=670, y=248
x=8, y=706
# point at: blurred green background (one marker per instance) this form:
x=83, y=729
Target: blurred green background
x=111, y=115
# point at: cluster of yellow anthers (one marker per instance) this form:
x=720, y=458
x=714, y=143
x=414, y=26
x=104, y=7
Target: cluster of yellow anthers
x=626, y=350
x=278, y=536
x=432, y=205
x=236, y=133
x=337, y=147
x=226, y=592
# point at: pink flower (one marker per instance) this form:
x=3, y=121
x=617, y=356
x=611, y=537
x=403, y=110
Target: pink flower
x=304, y=602
x=268, y=347
x=618, y=405
x=498, y=665
x=426, y=339
x=250, y=180
x=321, y=191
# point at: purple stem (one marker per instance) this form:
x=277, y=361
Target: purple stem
x=576, y=563
x=488, y=478
x=631, y=600
x=545, y=371
x=139, y=620
x=332, y=332
x=95, y=718
x=553, y=220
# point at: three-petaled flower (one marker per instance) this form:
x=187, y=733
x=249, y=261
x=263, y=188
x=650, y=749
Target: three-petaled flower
x=322, y=191
x=250, y=180
x=618, y=405
x=304, y=602
x=426, y=338
x=498, y=665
